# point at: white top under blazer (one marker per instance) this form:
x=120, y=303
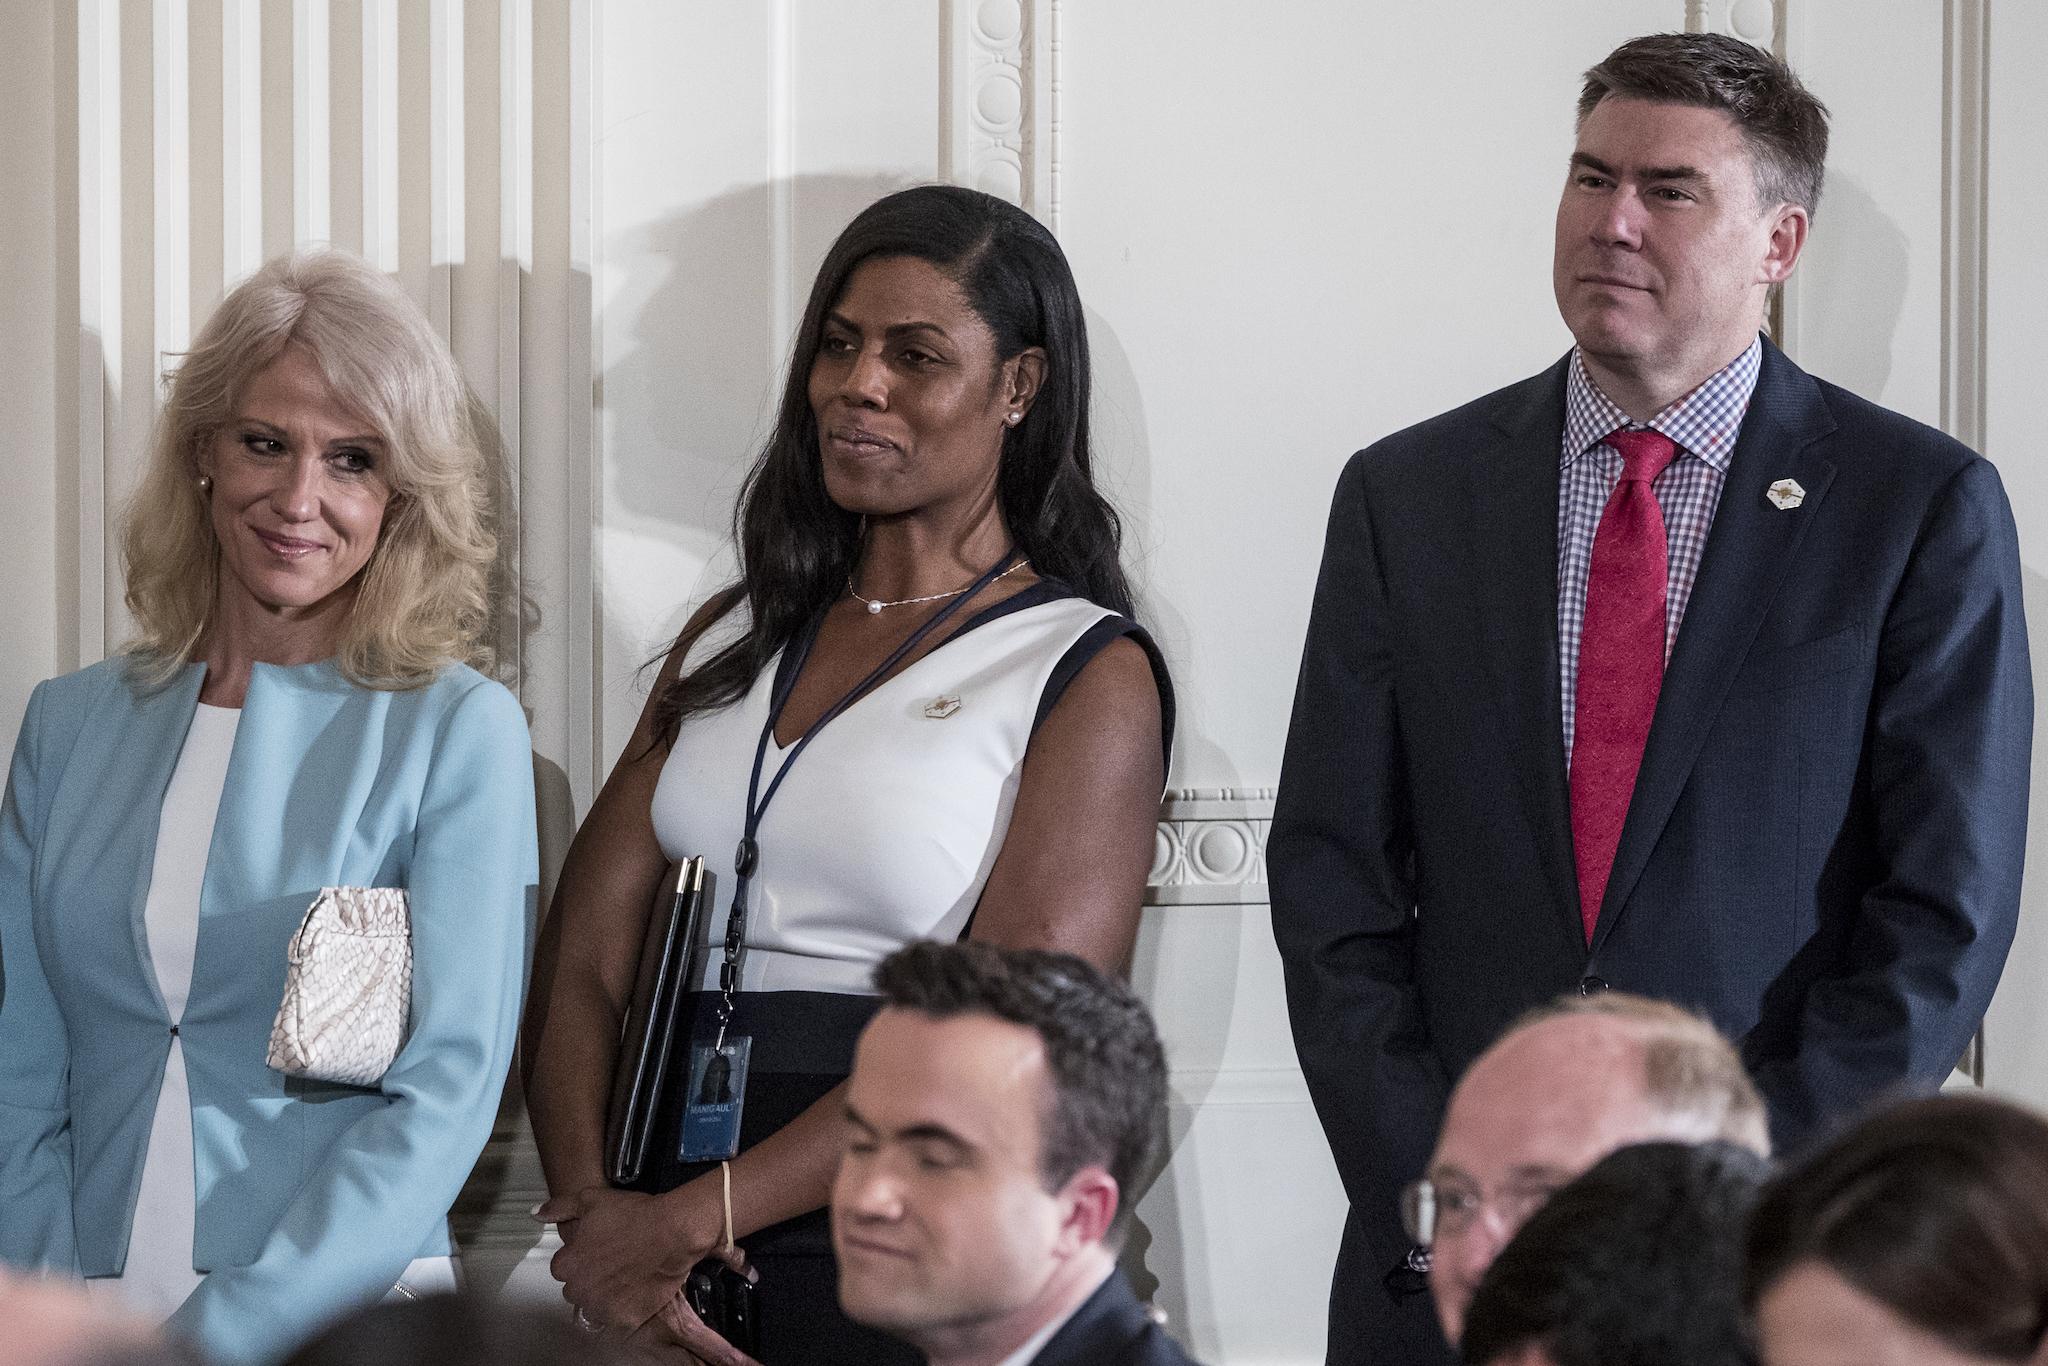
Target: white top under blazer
x=158, y=1273
x=887, y=828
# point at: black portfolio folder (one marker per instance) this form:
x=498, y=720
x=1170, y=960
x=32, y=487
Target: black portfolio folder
x=652, y=1060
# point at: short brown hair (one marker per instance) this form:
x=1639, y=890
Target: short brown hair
x=1935, y=1208
x=1783, y=125
x=1689, y=1069
x=1108, y=1103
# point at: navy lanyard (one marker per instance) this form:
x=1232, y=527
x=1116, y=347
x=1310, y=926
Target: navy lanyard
x=748, y=856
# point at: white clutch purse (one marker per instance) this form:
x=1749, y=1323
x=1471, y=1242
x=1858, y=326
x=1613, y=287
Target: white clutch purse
x=347, y=987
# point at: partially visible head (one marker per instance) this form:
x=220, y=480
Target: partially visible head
x=1561, y=1089
x=56, y=1323
x=457, y=1330
x=1918, y=1236
x=1696, y=172
x=1783, y=126
x=1005, y=1109
x=319, y=452
x=1635, y=1263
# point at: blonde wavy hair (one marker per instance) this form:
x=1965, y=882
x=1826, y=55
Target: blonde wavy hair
x=424, y=597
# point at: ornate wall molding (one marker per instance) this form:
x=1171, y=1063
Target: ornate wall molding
x=1211, y=847
x=1212, y=1088
x=1965, y=215
x=1965, y=212
x=1754, y=21
x=1761, y=22
x=1000, y=130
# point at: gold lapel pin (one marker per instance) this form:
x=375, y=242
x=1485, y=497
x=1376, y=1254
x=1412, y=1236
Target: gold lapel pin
x=1785, y=494
x=939, y=708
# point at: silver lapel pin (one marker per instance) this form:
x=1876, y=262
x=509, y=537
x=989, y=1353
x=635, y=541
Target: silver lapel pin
x=1785, y=494
x=939, y=708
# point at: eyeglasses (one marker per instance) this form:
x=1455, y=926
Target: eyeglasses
x=1434, y=1209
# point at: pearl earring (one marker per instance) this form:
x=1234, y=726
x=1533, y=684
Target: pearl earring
x=1014, y=418
x=206, y=483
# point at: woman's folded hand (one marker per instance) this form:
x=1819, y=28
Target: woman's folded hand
x=625, y=1255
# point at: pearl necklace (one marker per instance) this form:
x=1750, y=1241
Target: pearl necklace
x=875, y=605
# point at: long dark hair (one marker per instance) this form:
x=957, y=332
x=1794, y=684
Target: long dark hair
x=797, y=547
x=1935, y=1208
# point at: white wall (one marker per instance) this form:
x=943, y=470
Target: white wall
x=1296, y=229
x=32, y=555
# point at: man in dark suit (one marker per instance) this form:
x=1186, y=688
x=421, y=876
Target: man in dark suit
x=1005, y=1107
x=1673, y=669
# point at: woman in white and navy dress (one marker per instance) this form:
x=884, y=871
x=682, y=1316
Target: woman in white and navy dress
x=307, y=562
x=930, y=647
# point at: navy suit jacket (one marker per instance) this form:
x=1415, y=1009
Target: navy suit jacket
x=1112, y=1328
x=1823, y=849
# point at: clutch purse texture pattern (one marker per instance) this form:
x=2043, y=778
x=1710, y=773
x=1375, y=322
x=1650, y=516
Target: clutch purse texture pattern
x=347, y=987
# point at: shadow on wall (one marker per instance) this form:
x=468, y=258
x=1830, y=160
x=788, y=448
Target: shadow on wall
x=1127, y=473
x=1856, y=267
x=1190, y=980
x=1189, y=976
x=489, y=1217
x=688, y=396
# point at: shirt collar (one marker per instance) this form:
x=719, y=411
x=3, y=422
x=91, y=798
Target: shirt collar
x=1704, y=423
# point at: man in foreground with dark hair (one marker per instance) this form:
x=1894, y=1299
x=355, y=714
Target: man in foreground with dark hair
x=1636, y=1263
x=1005, y=1108
x=1673, y=668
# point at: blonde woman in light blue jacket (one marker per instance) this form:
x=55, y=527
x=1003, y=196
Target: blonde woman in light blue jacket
x=308, y=564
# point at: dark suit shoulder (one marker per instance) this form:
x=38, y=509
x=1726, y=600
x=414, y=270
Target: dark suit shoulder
x=1112, y=1328
x=1868, y=433
x=1537, y=401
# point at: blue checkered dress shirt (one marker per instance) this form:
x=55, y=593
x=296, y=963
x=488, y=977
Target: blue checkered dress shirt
x=1704, y=424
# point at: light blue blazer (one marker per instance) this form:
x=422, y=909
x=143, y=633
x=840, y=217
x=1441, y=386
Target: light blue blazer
x=311, y=1197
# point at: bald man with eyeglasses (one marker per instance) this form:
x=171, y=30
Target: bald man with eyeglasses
x=1564, y=1087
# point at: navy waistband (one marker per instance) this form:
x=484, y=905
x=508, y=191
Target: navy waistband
x=809, y=1032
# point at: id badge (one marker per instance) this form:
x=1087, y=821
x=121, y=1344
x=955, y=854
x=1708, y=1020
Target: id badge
x=718, y=1088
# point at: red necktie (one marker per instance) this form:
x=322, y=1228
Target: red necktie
x=1621, y=661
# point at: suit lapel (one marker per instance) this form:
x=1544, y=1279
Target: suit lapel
x=307, y=753
x=100, y=839
x=1512, y=541
x=1749, y=553
x=1105, y=1325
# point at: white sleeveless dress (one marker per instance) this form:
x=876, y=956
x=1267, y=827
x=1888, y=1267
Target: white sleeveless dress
x=890, y=823
x=885, y=832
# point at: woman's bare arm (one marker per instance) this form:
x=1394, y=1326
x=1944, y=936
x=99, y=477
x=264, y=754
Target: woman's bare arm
x=1071, y=875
